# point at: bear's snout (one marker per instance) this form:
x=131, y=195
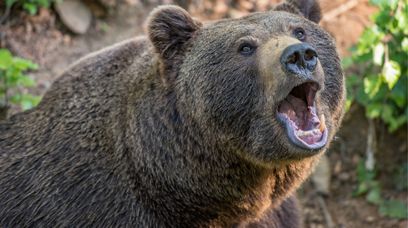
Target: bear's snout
x=299, y=59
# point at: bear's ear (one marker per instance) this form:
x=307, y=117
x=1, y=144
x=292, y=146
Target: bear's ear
x=169, y=28
x=310, y=9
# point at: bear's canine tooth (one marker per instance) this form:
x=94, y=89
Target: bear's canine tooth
x=322, y=123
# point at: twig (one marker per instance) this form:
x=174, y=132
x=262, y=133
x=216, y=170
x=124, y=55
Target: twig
x=371, y=146
x=326, y=213
x=5, y=15
x=340, y=10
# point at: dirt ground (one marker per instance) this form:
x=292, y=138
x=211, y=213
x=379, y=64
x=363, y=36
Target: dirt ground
x=46, y=41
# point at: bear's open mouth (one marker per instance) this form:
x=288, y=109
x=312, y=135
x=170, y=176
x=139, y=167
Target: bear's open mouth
x=298, y=112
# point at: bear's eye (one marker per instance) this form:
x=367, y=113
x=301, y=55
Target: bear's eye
x=247, y=49
x=300, y=34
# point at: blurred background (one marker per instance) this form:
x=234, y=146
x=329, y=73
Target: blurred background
x=362, y=180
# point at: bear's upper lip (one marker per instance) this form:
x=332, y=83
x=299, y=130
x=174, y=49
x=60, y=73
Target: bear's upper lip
x=298, y=112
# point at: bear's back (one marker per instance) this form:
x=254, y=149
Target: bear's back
x=89, y=91
x=59, y=158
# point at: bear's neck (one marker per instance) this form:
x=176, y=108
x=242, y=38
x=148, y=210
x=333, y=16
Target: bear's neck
x=191, y=180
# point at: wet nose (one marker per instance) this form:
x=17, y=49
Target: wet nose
x=299, y=58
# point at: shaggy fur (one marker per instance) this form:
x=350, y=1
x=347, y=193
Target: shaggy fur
x=174, y=130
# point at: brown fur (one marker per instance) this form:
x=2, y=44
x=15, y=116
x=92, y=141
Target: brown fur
x=173, y=130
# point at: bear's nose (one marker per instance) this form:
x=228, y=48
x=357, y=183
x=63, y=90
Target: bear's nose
x=300, y=59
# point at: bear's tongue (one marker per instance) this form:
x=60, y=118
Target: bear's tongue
x=304, y=117
x=299, y=114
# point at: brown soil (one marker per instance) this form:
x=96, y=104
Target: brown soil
x=45, y=41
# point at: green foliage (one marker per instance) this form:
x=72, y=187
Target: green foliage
x=371, y=188
x=31, y=6
x=382, y=57
x=12, y=77
x=379, y=84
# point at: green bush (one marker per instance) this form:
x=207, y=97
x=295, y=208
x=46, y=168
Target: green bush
x=371, y=188
x=31, y=6
x=379, y=63
x=381, y=55
x=13, y=80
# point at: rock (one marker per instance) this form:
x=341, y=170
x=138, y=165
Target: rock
x=338, y=167
x=344, y=176
x=321, y=176
x=67, y=39
x=75, y=15
x=370, y=219
x=132, y=2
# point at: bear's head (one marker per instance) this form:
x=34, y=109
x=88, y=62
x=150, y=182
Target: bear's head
x=269, y=85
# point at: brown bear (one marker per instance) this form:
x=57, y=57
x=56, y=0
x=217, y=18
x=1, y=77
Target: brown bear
x=194, y=125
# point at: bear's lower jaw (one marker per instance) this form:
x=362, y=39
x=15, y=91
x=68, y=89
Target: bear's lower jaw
x=314, y=138
x=298, y=114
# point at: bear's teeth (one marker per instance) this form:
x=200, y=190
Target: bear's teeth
x=322, y=123
x=301, y=133
x=316, y=131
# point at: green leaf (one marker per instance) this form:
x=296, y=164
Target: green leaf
x=10, y=3
x=366, y=180
x=352, y=80
x=24, y=64
x=349, y=102
x=361, y=97
x=15, y=99
x=346, y=62
x=28, y=101
x=394, y=209
x=363, y=174
x=27, y=81
x=6, y=59
x=391, y=73
x=36, y=100
x=404, y=44
x=31, y=8
x=378, y=54
x=373, y=110
x=401, y=19
x=397, y=123
x=387, y=113
x=374, y=196
x=26, y=104
x=361, y=189
x=372, y=84
x=12, y=77
x=12, y=74
x=399, y=93
x=44, y=3
x=368, y=40
x=385, y=3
